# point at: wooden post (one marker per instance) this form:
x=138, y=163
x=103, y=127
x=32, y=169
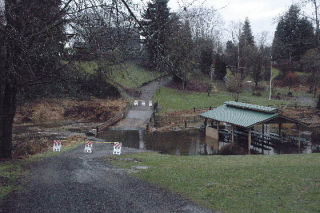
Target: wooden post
x=299, y=139
x=232, y=134
x=218, y=130
x=280, y=124
x=249, y=141
x=262, y=138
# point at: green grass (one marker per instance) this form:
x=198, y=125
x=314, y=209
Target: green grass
x=128, y=74
x=174, y=100
x=275, y=73
x=131, y=75
x=280, y=183
x=10, y=171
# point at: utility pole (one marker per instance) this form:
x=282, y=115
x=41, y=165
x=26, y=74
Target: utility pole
x=270, y=79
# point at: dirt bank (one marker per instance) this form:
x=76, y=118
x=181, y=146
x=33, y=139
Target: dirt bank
x=40, y=122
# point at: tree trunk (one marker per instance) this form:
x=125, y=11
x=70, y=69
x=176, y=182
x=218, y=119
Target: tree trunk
x=7, y=112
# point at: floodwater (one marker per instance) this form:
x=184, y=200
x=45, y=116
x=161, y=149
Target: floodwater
x=190, y=142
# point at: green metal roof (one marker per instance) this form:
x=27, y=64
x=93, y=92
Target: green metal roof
x=241, y=116
x=251, y=107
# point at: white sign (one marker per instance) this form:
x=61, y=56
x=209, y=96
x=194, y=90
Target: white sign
x=88, y=147
x=56, y=146
x=117, y=148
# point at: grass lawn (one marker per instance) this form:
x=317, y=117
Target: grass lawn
x=174, y=100
x=257, y=183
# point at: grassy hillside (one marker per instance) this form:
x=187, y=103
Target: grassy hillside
x=128, y=74
x=281, y=183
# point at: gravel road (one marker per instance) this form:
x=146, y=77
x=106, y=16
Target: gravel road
x=75, y=181
x=138, y=116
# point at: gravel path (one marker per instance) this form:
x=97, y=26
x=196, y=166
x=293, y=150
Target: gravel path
x=138, y=116
x=75, y=181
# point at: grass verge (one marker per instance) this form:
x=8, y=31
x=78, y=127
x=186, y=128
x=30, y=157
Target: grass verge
x=281, y=183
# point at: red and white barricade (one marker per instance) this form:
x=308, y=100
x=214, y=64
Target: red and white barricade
x=88, y=147
x=56, y=146
x=117, y=148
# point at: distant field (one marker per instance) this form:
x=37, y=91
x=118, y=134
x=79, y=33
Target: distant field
x=280, y=183
x=128, y=74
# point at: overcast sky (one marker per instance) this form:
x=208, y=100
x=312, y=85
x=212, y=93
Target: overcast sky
x=261, y=13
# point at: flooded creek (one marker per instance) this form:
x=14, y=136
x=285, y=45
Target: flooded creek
x=191, y=142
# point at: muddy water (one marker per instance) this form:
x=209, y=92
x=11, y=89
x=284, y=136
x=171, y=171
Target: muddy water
x=191, y=142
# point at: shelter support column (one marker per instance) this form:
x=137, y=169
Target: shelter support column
x=280, y=125
x=232, y=134
x=249, y=141
x=218, y=131
x=262, y=138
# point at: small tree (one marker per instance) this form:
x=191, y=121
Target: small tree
x=234, y=84
x=291, y=79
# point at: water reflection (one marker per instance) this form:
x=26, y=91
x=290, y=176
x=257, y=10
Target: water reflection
x=191, y=142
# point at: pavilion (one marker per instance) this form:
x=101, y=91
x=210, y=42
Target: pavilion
x=245, y=117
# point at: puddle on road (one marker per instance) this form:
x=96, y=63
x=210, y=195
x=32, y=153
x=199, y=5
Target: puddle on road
x=190, y=142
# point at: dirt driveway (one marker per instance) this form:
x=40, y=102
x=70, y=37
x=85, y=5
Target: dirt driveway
x=75, y=181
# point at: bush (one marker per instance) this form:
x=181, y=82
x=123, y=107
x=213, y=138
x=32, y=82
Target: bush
x=291, y=79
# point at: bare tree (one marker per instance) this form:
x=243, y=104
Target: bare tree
x=234, y=84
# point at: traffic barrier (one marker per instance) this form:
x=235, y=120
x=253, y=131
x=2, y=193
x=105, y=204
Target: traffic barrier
x=150, y=103
x=56, y=146
x=143, y=103
x=88, y=147
x=135, y=103
x=117, y=148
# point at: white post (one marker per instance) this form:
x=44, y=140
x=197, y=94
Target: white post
x=270, y=79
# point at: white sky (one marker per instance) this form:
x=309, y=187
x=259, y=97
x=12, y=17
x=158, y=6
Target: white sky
x=261, y=13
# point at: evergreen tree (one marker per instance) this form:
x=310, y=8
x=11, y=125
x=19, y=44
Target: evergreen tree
x=220, y=70
x=293, y=36
x=155, y=22
x=246, y=37
x=206, y=56
x=246, y=47
x=180, y=49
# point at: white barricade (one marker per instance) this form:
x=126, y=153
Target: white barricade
x=88, y=147
x=150, y=103
x=56, y=146
x=117, y=148
x=143, y=103
x=135, y=103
